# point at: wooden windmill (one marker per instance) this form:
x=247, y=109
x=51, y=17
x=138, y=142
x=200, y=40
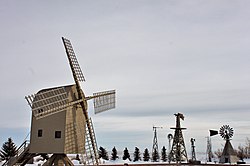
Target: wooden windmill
x=60, y=122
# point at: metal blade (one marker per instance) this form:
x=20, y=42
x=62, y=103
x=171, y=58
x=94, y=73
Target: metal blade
x=104, y=101
x=75, y=67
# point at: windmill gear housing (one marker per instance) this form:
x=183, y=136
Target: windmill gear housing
x=62, y=131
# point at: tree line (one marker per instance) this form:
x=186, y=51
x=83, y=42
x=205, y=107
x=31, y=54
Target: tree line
x=9, y=149
x=137, y=156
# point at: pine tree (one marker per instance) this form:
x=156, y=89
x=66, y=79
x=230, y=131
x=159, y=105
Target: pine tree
x=9, y=150
x=103, y=153
x=155, y=155
x=146, y=156
x=114, y=154
x=137, y=155
x=164, y=154
x=126, y=155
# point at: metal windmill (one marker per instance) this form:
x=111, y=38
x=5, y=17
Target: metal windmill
x=178, y=151
x=60, y=120
x=192, y=140
x=209, y=153
x=170, y=138
x=193, y=160
x=155, y=149
x=228, y=154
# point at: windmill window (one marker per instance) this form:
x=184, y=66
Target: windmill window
x=58, y=134
x=40, y=133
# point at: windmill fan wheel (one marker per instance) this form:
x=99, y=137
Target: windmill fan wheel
x=226, y=132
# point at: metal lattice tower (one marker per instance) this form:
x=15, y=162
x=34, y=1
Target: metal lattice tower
x=193, y=149
x=170, y=138
x=155, y=149
x=209, y=153
x=209, y=150
x=178, y=152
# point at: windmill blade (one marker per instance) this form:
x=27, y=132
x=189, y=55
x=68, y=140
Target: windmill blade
x=104, y=101
x=48, y=102
x=75, y=67
x=30, y=99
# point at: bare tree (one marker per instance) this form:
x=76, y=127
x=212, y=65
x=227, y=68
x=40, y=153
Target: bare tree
x=241, y=152
x=218, y=153
x=247, y=148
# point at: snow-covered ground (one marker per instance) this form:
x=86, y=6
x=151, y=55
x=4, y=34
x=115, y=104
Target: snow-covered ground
x=38, y=162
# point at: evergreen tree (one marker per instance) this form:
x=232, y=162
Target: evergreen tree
x=114, y=155
x=155, y=155
x=103, y=153
x=126, y=155
x=9, y=150
x=137, y=155
x=146, y=156
x=164, y=154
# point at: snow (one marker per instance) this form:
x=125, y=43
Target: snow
x=39, y=162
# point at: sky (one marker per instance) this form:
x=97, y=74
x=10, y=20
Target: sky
x=162, y=57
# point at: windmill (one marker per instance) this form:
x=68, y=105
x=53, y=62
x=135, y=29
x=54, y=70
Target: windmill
x=209, y=153
x=60, y=121
x=193, y=160
x=192, y=140
x=228, y=154
x=155, y=150
x=170, y=138
x=178, y=151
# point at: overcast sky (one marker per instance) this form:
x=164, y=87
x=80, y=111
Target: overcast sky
x=162, y=57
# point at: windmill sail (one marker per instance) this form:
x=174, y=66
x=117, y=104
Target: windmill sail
x=76, y=70
x=78, y=76
x=104, y=101
x=47, y=102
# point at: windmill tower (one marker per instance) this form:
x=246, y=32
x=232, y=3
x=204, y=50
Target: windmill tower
x=178, y=151
x=192, y=140
x=155, y=149
x=228, y=154
x=60, y=123
x=209, y=153
x=170, y=138
x=193, y=160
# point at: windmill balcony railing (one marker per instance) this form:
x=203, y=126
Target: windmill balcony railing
x=20, y=150
x=22, y=147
